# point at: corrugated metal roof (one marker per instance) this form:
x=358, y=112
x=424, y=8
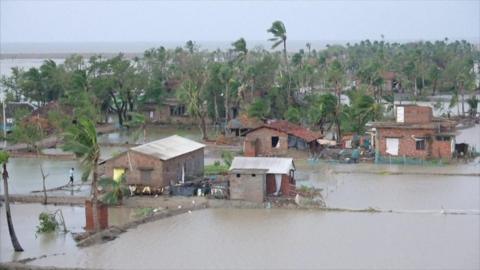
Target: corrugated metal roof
x=169, y=147
x=273, y=165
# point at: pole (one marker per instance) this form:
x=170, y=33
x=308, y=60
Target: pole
x=4, y=125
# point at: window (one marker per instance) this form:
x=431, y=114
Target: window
x=275, y=141
x=145, y=175
x=238, y=175
x=420, y=143
x=178, y=110
x=253, y=175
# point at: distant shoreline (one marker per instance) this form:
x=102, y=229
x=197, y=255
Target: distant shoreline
x=13, y=56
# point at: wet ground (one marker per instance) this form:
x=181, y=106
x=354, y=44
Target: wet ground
x=419, y=237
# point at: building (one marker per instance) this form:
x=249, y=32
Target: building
x=242, y=124
x=12, y=111
x=415, y=134
x=159, y=163
x=255, y=178
x=275, y=138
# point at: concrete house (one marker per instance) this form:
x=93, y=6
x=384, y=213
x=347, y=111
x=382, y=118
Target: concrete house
x=415, y=134
x=275, y=138
x=254, y=178
x=159, y=163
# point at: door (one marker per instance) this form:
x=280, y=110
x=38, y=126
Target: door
x=117, y=173
x=392, y=146
x=401, y=114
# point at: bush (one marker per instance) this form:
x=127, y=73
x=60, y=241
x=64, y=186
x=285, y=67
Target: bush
x=48, y=223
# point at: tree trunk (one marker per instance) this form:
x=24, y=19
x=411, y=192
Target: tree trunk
x=215, y=105
x=43, y=185
x=96, y=223
x=434, y=87
x=11, y=230
x=227, y=107
x=203, y=128
x=289, y=94
x=462, y=92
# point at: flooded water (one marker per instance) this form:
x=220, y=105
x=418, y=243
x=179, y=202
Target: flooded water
x=273, y=239
x=25, y=175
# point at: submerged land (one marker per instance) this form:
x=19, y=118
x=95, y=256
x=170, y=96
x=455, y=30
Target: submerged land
x=386, y=211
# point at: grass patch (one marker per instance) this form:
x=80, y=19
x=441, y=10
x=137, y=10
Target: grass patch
x=216, y=169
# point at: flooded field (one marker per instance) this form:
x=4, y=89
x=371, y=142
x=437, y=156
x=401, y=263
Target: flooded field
x=273, y=239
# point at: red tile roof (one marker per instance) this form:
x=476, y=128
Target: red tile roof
x=293, y=129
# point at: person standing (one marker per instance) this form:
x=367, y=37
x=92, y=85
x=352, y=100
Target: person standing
x=71, y=177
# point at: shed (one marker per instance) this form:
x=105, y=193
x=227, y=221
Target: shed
x=254, y=178
x=159, y=163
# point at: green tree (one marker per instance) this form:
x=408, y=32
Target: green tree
x=279, y=33
x=11, y=230
x=81, y=139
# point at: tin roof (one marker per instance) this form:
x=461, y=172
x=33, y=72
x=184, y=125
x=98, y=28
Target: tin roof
x=271, y=164
x=169, y=147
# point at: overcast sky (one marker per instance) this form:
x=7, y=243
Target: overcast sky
x=143, y=21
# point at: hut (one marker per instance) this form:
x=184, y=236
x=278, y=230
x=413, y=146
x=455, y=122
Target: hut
x=159, y=163
x=254, y=178
x=276, y=137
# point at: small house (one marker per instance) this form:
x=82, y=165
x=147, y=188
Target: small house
x=275, y=138
x=415, y=133
x=255, y=178
x=159, y=163
x=242, y=124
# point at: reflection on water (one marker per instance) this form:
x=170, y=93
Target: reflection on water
x=273, y=239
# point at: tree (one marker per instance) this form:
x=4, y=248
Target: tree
x=191, y=94
x=11, y=230
x=115, y=190
x=81, y=139
x=280, y=37
x=240, y=47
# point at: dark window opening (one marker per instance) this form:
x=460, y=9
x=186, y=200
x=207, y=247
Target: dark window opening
x=275, y=140
x=420, y=144
x=253, y=175
x=178, y=110
x=238, y=175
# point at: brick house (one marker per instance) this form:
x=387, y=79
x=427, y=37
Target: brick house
x=242, y=124
x=255, y=178
x=415, y=134
x=275, y=138
x=159, y=163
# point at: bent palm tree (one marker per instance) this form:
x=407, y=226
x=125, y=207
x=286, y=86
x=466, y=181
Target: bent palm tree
x=81, y=139
x=16, y=245
x=240, y=46
x=280, y=37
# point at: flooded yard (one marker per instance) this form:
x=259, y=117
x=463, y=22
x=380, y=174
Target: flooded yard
x=273, y=239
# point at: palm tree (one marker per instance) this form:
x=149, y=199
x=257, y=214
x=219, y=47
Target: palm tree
x=280, y=37
x=81, y=139
x=240, y=47
x=16, y=245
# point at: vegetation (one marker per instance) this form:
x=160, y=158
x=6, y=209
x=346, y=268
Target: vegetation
x=81, y=139
x=114, y=190
x=11, y=230
x=51, y=222
x=304, y=86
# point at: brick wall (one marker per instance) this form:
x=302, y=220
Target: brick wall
x=102, y=215
x=407, y=144
x=263, y=145
x=194, y=165
x=248, y=186
x=133, y=162
x=287, y=188
x=418, y=114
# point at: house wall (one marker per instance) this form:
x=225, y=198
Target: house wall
x=133, y=162
x=418, y=114
x=287, y=187
x=263, y=142
x=102, y=212
x=407, y=144
x=194, y=165
x=247, y=186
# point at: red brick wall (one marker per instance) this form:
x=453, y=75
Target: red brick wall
x=102, y=215
x=137, y=160
x=249, y=148
x=418, y=114
x=441, y=149
x=287, y=188
x=407, y=145
x=263, y=138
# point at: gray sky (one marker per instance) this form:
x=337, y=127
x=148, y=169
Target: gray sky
x=141, y=21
